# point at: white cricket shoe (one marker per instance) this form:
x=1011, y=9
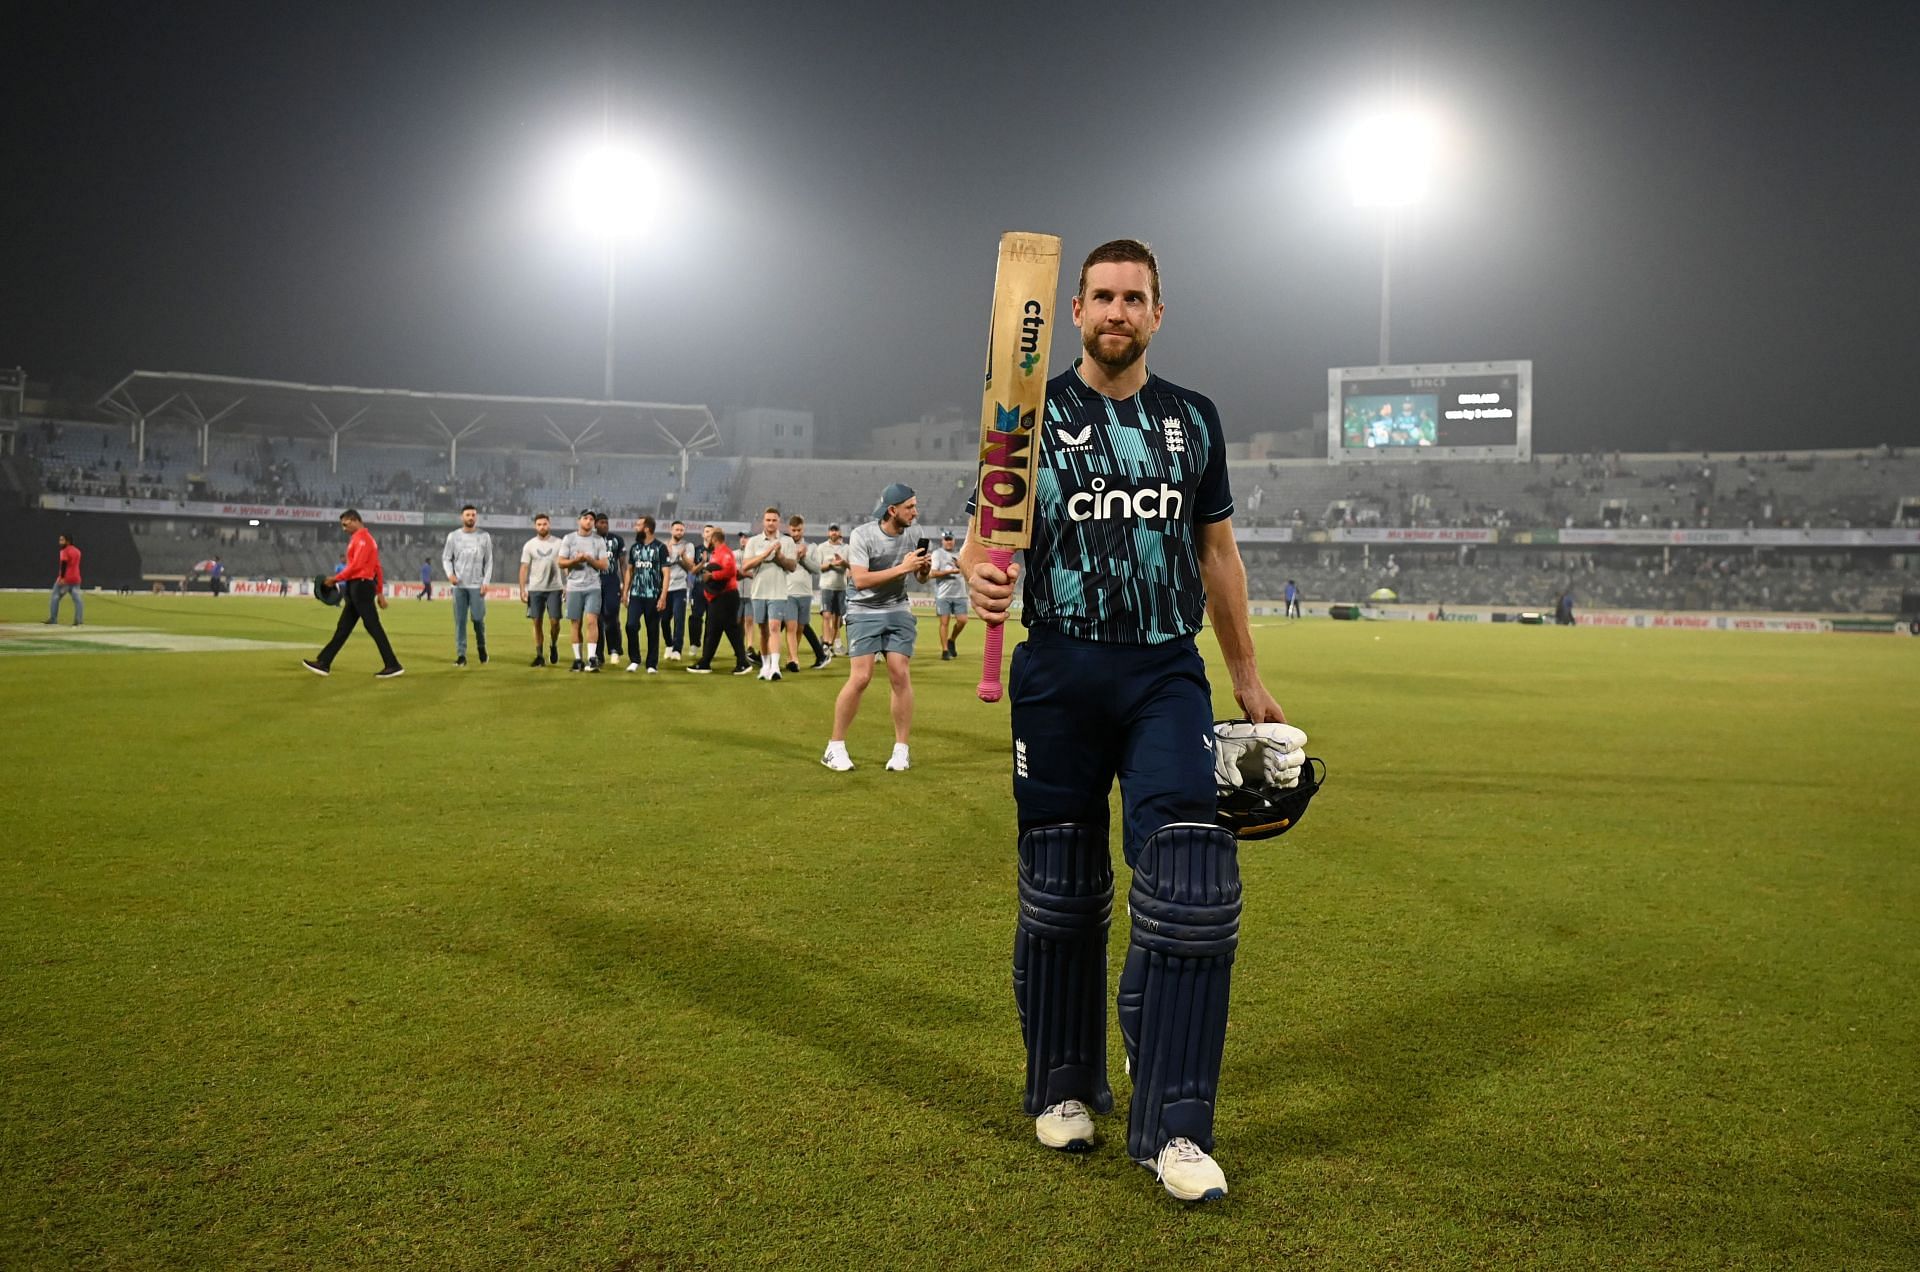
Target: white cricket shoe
x=1188, y=1173
x=897, y=762
x=632, y=667
x=673, y=655
x=1067, y=1126
x=837, y=758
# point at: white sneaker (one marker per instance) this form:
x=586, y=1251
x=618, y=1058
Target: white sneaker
x=673, y=655
x=837, y=758
x=632, y=667
x=651, y=671
x=897, y=762
x=1188, y=1173
x=1067, y=1126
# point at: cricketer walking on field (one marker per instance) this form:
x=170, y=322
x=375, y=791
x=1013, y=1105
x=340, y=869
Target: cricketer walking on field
x=1132, y=548
x=468, y=562
x=880, y=625
x=643, y=576
x=610, y=585
x=583, y=555
x=540, y=588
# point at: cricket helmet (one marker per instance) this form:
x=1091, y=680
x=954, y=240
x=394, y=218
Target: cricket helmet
x=1261, y=812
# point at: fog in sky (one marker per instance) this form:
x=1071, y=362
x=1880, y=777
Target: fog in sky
x=1699, y=226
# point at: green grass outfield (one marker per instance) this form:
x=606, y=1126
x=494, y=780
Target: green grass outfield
x=1599, y=950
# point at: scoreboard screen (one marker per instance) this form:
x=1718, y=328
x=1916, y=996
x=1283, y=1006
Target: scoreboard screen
x=1454, y=410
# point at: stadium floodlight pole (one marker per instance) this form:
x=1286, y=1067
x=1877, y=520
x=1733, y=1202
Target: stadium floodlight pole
x=1386, y=287
x=606, y=386
x=1390, y=160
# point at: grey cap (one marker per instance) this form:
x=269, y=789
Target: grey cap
x=897, y=493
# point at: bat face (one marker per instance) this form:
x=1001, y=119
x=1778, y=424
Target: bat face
x=1016, y=387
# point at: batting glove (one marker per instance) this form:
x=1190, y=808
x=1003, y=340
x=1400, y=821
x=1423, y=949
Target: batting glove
x=1260, y=755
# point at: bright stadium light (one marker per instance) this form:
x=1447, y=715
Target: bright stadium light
x=1391, y=155
x=609, y=189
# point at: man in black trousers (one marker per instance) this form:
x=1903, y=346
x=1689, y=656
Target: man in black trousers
x=363, y=594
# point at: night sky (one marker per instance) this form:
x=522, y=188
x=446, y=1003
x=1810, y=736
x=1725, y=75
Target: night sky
x=1700, y=226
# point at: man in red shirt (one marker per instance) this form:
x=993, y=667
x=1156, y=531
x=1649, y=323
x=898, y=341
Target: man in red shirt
x=720, y=580
x=363, y=594
x=66, y=581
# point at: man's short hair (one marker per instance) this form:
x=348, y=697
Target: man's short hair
x=647, y=522
x=796, y=520
x=468, y=508
x=541, y=516
x=351, y=514
x=1121, y=251
x=678, y=522
x=774, y=511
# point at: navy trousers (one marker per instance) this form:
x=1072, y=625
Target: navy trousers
x=1085, y=713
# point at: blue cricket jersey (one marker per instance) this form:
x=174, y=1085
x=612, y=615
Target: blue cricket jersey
x=1120, y=487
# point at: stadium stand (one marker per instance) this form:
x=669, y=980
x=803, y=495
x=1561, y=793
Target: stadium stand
x=1305, y=497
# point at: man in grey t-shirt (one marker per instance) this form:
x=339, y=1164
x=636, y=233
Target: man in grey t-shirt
x=583, y=555
x=949, y=595
x=765, y=561
x=679, y=561
x=540, y=588
x=880, y=556
x=468, y=561
x=833, y=588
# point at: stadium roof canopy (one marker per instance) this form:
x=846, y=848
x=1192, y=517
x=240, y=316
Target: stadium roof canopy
x=275, y=408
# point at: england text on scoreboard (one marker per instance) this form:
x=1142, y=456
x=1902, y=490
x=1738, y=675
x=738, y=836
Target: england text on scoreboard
x=1442, y=410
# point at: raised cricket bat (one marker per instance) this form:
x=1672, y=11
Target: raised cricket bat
x=1011, y=409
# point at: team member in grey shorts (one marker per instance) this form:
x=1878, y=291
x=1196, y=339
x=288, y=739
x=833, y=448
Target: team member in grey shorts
x=880, y=556
x=949, y=595
x=583, y=555
x=765, y=561
x=540, y=586
x=833, y=589
x=800, y=585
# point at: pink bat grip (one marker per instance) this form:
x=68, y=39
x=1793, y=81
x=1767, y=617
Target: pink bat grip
x=990, y=690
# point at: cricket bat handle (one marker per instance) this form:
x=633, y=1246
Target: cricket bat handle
x=990, y=688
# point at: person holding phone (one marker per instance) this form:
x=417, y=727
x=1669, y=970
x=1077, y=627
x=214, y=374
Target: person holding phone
x=880, y=621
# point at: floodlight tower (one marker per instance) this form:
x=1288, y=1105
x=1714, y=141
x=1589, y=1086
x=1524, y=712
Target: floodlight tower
x=608, y=191
x=1390, y=161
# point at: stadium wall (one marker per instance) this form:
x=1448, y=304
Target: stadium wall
x=29, y=543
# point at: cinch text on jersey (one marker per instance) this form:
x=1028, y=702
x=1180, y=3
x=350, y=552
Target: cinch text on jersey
x=1101, y=504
